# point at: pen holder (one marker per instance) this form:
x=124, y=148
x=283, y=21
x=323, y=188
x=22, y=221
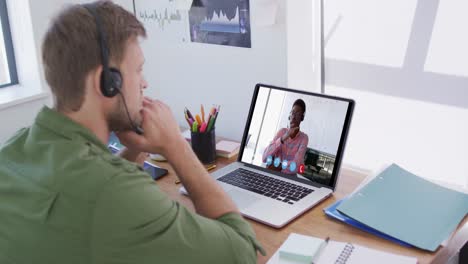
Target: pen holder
x=204, y=146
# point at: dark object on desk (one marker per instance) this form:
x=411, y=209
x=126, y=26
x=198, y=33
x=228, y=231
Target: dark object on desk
x=154, y=171
x=463, y=258
x=114, y=144
x=204, y=145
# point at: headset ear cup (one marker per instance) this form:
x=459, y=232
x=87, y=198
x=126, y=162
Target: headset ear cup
x=111, y=87
x=116, y=79
x=105, y=85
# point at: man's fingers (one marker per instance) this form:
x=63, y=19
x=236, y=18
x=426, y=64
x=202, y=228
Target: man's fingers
x=149, y=104
x=160, y=103
x=132, y=138
x=141, y=158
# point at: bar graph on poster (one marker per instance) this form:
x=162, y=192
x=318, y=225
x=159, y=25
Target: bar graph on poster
x=220, y=22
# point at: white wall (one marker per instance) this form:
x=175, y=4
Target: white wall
x=190, y=74
x=405, y=64
x=16, y=117
x=22, y=114
x=284, y=53
x=304, y=44
x=204, y=73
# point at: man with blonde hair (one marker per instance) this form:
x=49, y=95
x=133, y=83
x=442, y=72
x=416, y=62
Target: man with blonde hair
x=67, y=199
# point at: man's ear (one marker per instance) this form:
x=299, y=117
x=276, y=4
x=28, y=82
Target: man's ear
x=95, y=80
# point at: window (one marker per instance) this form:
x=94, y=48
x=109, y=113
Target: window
x=8, y=74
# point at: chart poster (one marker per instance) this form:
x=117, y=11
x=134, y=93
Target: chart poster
x=220, y=22
x=166, y=20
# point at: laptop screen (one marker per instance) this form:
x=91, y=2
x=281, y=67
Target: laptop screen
x=296, y=134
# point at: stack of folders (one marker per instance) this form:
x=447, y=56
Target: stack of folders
x=299, y=249
x=402, y=207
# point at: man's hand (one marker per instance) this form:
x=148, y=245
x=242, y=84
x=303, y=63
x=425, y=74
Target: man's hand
x=133, y=156
x=161, y=130
x=291, y=132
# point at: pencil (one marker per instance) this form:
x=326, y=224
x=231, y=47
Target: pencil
x=202, y=113
x=211, y=167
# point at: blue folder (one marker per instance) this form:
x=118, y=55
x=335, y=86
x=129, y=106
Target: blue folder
x=407, y=207
x=333, y=213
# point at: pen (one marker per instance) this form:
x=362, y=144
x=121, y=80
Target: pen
x=211, y=123
x=320, y=250
x=188, y=113
x=195, y=127
x=214, y=119
x=208, y=122
x=187, y=119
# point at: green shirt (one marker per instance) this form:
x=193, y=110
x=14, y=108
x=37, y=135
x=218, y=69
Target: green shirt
x=66, y=199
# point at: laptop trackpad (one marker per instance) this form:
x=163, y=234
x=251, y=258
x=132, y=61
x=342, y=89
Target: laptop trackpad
x=242, y=199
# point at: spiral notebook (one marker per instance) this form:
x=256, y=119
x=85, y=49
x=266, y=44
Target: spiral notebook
x=340, y=253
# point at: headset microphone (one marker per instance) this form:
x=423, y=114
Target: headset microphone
x=111, y=78
x=136, y=128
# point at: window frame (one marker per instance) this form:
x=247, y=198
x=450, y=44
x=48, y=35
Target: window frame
x=8, y=42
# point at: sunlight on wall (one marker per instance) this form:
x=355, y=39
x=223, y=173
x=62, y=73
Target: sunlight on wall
x=448, y=51
x=368, y=31
x=425, y=138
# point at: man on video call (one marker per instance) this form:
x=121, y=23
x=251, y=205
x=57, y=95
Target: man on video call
x=289, y=144
x=67, y=199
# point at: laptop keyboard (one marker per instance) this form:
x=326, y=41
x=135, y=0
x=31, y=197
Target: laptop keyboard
x=267, y=186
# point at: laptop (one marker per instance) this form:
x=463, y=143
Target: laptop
x=289, y=159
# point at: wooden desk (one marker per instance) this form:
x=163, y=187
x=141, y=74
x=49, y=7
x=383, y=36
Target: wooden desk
x=315, y=223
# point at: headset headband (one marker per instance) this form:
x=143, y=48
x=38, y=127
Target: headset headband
x=102, y=42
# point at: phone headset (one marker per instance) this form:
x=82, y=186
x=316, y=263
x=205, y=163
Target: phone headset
x=111, y=78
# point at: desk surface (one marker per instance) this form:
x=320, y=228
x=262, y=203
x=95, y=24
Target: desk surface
x=315, y=223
